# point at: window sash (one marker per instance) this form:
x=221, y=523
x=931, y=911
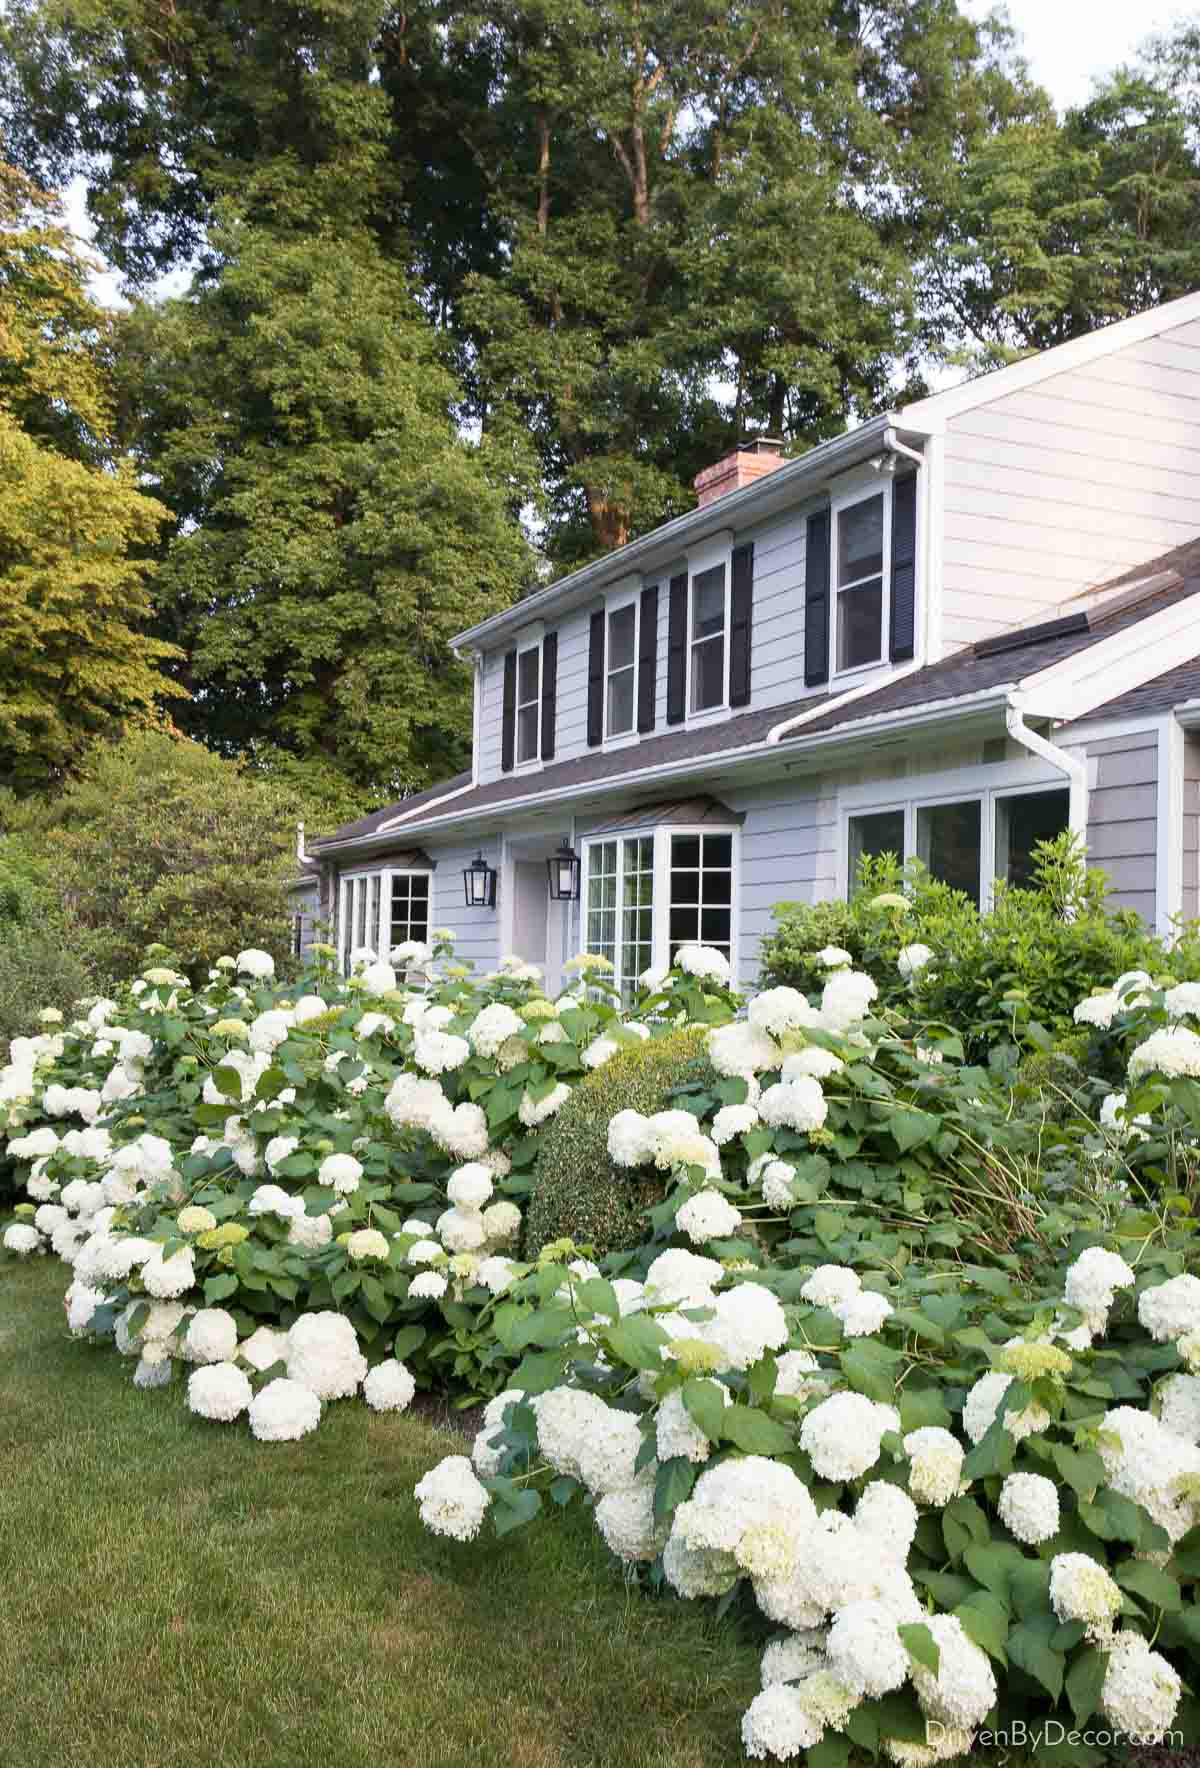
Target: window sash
x=529, y=704
x=995, y=804
x=389, y=906
x=620, y=679
x=875, y=580
x=708, y=651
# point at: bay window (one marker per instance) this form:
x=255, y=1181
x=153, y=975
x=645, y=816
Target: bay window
x=646, y=894
x=378, y=910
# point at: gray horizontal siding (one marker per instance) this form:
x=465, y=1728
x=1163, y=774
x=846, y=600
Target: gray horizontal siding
x=1122, y=835
x=476, y=931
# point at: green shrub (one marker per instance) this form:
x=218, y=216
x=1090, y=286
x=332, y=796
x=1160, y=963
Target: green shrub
x=578, y=1194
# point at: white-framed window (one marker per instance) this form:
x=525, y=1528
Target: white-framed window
x=529, y=704
x=861, y=561
x=708, y=639
x=620, y=669
x=647, y=893
x=380, y=909
x=969, y=839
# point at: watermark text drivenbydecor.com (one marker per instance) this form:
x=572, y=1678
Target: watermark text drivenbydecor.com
x=1050, y=1732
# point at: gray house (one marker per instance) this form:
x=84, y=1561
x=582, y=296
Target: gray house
x=957, y=629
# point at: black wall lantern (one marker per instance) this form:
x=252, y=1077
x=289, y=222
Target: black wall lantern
x=563, y=868
x=479, y=880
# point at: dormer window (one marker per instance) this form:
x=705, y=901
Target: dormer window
x=708, y=643
x=621, y=670
x=529, y=698
x=861, y=555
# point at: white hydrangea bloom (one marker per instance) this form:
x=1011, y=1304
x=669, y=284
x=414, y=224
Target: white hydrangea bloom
x=211, y=1336
x=834, y=957
x=429, y=1286
x=935, y=1461
x=220, y=1390
x=798, y=1374
x=389, y=1387
x=1183, y=1001
x=278, y=1149
x=463, y=1132
x=777, y=1723
x=461, y=1230
x=452, y=1502
x=682, y=1278
x=846, y=999
x=704, y=962
x=731, y=1121
x=22, y=1238
x=258, y=964
x=1029, y=1507
x=983, y=1403
x=740, y=1051
x=470, y=1186
x=707, y=1216
x=865, y=1650
x=1097, y=1009
x=627, y=1524
x=309, y=1232
x=1091, y=1283
x=795, y=1104
x=323, y=1355
x=496, y=1274
x=862, y=1314
x=830, y=1284
x=1168, y=1310
x=1141, y=1690
x=1152, y=1465
x=747, y=1322
x=751, y=1507
x=778, y=1179
x=887, y=1517
x=268, y=1030
x=1173, y=1051
x=1081, y=1590
x=439, y=1052
x=796, y=1656
x=1177, y=1402
x=366, y=1243
x=264, y=1347
x=284, y=1411
x=501, y=1222
x=677, y=1433
x=274, y=1200
x=962, y=1692
x=780, y=1010
x=843, y=1434
x=168, y=1278
x=493, y=1026
x=533, y=1112
x=912, y=959
x=1120, y=1126
x=813, y=1060
x=378, y=978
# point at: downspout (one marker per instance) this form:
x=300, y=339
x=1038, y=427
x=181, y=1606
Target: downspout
x=304, y=857
x=894, y=446
x=1075, y=769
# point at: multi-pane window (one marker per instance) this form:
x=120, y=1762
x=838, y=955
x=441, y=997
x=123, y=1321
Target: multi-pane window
x=963, y=842
x=646, y=895
x=409, y=907
x=860, y=549
x=621, y=669
x=529, y=703
x=708, y=640
x=377, y=910
x=701, y=911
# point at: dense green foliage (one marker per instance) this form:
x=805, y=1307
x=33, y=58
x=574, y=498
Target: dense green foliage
x=1031, y=957
x=158, y=839
x=578, y=1194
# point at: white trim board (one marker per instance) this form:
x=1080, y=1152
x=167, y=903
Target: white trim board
x=1168, y=878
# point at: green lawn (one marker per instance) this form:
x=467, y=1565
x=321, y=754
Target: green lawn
x=175, y=1595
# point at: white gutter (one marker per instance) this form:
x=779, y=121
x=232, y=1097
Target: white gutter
x=1075, y=769
x=306, y=859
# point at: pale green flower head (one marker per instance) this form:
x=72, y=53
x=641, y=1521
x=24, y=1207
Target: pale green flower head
x=586, y=961
x=50, y=1016
x=160, y=977
x=229, y=1234
x=538, y=1009
x=318, y=947
x=226, y=963
x=1030, y=1362
x=195, y=1219
x=236, y=1028
x=695, y=1356
x=889, y=899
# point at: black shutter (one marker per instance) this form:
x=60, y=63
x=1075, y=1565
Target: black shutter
x=904, y=569
x=549, y=693
x=741, y=606
x=647, y=659
x=508, y=730
x=595, y=713
x=816, y=601
x=677, y=650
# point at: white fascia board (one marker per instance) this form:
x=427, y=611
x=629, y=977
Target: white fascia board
x=1076, y=353
x=1092, y=677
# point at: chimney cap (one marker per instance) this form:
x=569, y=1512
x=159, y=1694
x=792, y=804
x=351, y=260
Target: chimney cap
x=761, y=445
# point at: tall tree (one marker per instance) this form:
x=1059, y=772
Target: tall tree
x=76, y=660
x=651, y=227
x=333, y=530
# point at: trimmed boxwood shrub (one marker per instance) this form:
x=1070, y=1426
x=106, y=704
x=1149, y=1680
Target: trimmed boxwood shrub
x=578, y=1194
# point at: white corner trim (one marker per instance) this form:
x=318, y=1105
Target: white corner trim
x=1076, y=353
x=1093, y=676
x=931, y=543
x=1168, y=880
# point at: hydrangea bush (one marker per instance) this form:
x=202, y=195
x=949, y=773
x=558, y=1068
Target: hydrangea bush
x=933, y=1422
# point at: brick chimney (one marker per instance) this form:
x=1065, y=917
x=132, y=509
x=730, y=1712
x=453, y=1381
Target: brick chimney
x=748, y=462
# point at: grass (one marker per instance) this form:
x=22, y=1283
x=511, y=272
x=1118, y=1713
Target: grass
x=175, y=1595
